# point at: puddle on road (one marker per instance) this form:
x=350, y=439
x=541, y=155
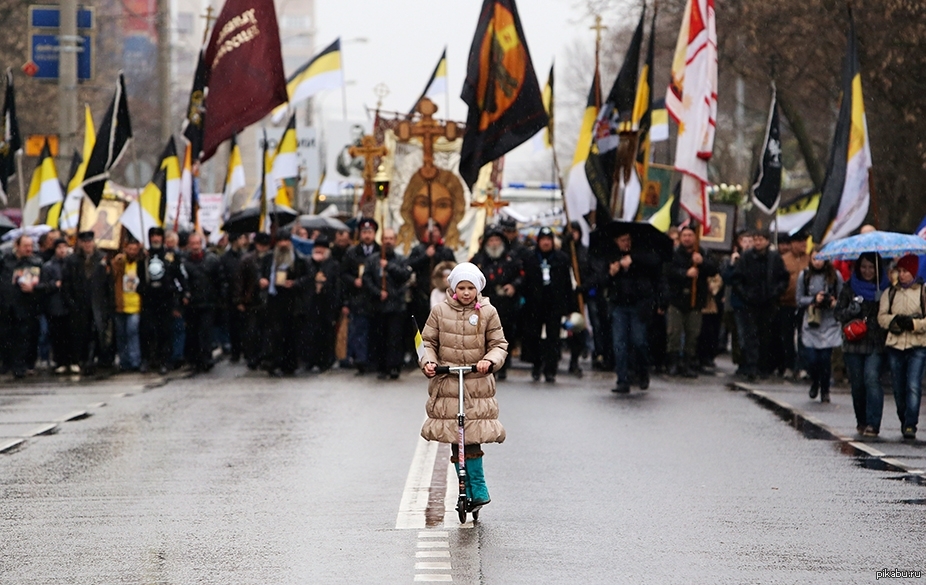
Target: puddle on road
x=874, y=463
x=909, y=478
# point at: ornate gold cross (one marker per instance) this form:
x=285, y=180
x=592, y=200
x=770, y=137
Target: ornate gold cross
x=428, y=130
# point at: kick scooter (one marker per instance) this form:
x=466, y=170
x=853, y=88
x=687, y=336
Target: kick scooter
x=464, y=503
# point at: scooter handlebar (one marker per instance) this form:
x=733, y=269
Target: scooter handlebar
x=466, y=369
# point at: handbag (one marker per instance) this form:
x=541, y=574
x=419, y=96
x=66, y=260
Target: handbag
x=855, y=330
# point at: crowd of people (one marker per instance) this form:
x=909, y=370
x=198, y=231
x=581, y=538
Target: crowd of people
x=780, y=310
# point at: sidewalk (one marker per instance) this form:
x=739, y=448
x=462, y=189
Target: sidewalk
x=836, y=421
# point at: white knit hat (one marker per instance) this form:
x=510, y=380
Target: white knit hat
x=466, y=271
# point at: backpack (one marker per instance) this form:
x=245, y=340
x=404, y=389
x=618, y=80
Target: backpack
x=893, y=292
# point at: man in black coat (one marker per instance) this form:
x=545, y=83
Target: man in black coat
x=355, y=301
x=234, y=319
x=283, y=277
x=422, y=260
x=56, y=311
x=759, y=279
x=88, y=294
x=504, y=281
x=548, y=297
x=384, y=280
x=206, y=289
x=631, y=286
x=160, y=301
x=577, y=340
x=323, y=305
x=687, y=280
x=21, y=276
x=250, y=301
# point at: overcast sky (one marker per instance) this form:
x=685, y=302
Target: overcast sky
x=404, y=39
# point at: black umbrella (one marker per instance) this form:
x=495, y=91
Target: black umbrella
x=644, y=235
x=321, y=222
x=6, y=224
x=248, y=219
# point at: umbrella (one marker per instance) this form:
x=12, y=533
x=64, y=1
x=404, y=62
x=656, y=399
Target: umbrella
x=6, y=224
x=33, y=231
x=888, y=244
x=248, y=219
x=645, y=236
x=320, y=222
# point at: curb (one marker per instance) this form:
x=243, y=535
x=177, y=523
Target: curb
x=813, y=428
x=53, y=427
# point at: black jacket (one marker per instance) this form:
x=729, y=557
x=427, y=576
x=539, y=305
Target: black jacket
x=206, y=286
x=638, y=286
x=22, y=304
x=760, y=279
x=231, y=261
x=289, y=301
x=356, y=299
x=554, y=294
x=52, y=273
x=245, y=284
x=679, y=284
x=397, y=276
x=422, y=265
x=87, y=288
x=506, y=269
x=323, y=287
x=165, y=280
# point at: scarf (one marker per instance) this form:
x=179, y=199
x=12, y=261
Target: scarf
x=868, y=290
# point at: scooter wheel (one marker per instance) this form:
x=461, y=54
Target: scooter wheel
x=461, y=510
x=475, y=515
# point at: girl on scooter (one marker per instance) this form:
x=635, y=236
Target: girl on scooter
x=464, y=330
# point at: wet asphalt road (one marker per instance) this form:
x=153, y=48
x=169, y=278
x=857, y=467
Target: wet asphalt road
x=235, y=478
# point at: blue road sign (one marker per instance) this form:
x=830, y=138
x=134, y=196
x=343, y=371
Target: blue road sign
x=48, y=17
x=45, y=21
x=45, y=55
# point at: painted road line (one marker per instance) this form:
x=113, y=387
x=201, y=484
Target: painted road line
x=433, y=534
x=432, y=554
x=431, y=565
x=8, y=446
x=45, y=429
x=433, y=544
x=433, y=578
x=75, y=415
x=414, y=502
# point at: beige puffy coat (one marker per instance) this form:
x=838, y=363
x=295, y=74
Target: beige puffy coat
x=907, y=301
x=451, y=340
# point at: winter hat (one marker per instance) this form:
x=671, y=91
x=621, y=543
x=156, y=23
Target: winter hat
x=910, y=263
x=469, y=272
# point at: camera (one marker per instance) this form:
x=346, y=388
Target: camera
x=826, y=302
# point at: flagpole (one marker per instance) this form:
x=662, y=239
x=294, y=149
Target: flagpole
x=572, y=241
x=22, y=183
x=141, y=215
x=447, y=84
x=343, y=90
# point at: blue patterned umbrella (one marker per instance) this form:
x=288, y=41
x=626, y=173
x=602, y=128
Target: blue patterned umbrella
x=888, y=244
